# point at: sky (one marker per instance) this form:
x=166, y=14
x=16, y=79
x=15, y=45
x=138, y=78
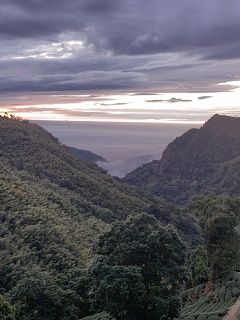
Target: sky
x=167, y=61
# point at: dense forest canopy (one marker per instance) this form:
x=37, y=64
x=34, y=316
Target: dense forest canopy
x=76, y=243
x=54, y=206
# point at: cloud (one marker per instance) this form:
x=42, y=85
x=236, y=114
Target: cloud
x=113, y=104
x=129, y=28
x=172, y=100
x=88, y=46
x=96, y=80
x=204, y=97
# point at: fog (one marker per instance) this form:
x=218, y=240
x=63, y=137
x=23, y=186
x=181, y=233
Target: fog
x=118, y=143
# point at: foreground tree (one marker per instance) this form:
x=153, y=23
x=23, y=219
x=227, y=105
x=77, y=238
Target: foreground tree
x=138, y=273
x=218, y=217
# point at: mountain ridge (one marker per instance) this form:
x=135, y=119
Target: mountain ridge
x=192, y=161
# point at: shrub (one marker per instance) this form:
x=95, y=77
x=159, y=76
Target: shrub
x=231, y=284
x=189, y=318
x=231, y=302
x=222, y=294
x=99, y=316
x=214, y=317
x=228, y=296
x=191, y=292
x=236, y=292
x=184, y=295
x=106, y=215
x=230, y=276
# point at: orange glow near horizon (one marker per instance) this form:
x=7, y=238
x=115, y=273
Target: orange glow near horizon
x=175, y=108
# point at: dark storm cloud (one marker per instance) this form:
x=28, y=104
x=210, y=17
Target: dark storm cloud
x=127, y=26
x=122, y=46
x=50, y=83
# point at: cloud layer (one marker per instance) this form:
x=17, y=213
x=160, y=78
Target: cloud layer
x=100, y=47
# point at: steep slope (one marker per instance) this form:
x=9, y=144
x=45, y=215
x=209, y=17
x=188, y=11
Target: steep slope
x=87, y=155
x=192, y=162
x=211, y=301
x=53, y=205
x=28, y=147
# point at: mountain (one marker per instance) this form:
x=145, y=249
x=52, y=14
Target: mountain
x=201, y=161
x=54, y=206
x=87, y=155
x=119, y=168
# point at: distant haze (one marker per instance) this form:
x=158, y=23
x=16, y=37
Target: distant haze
x=116, y=141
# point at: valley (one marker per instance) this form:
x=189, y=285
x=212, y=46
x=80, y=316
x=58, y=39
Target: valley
x=72, y=236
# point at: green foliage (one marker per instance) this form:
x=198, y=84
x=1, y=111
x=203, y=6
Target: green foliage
x=214, y=317
x=218, y=217
x=99, y=316
x=138, y=273
x=106, y=215
x=6, y=310
x=199, y=266
x=209, y=301
x=40, y=297
x=54, y=206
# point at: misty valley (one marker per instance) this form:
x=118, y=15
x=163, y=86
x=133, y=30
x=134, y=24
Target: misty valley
x=148, y=237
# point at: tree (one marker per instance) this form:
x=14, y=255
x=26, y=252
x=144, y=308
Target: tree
x=218, y=217
x=6, y=310
x=40, y=297
x=199, y=266
x=138, y=272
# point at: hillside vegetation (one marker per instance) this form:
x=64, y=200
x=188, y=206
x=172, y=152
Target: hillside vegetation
x=211, y=302
x=54, y=205
x=63, y=258
x=201, y=161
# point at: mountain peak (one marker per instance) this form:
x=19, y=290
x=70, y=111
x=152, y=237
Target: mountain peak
x=192, y=162
x=218, y=119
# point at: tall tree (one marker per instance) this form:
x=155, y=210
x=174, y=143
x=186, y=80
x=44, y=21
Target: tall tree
x=218, y=218
x=199, y=266
x=138, y=273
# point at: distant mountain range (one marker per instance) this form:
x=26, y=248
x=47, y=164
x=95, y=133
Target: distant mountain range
x=201, y=161
x=87, y=155
x=120, y=168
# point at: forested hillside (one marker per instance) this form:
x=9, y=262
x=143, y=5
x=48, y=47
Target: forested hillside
x=54, y=206
x=63, y=258
x=201, y=161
